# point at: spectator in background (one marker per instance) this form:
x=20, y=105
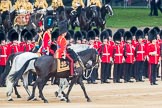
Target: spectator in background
x=153, y=8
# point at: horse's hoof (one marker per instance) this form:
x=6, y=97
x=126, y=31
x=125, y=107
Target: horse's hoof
x=18, y=96
x=30, y=98
x=10, y=99
x=89, y=100
x=45, y=101
x=68, y=101
x=63, y=99
x=34, y=99
x=56, y=93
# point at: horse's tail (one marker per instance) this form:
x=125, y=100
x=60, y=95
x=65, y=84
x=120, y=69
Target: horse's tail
x=7, y=69
x=15, y=77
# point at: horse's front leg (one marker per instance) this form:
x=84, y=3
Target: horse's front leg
x=80, y=81
x=73, y=81
x=16, y=92
x=9, y=89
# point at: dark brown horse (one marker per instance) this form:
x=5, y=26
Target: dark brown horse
x=46, y=67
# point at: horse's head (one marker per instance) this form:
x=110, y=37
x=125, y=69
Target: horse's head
x=109, y=9
x=93, y=11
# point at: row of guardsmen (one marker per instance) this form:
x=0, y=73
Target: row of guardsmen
x=6, y=5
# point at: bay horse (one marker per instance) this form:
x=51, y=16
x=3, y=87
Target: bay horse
x=46, y=67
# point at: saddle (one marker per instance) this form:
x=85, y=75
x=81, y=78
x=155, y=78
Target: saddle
x=64, y=65
x=22, y=19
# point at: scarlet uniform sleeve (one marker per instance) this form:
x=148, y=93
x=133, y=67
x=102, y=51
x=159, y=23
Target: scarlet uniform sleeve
x=46, y=39
x=62, y=44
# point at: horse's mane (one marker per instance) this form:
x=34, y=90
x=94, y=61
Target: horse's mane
x=88, y=51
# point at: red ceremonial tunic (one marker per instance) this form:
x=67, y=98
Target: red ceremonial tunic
x=3, y=55
x=46, y=41
x=27, y=47
x=12, y=49
x=106, y=51
x=129, y=51
x=118, y=54
x=61, y=46
x=140, y=52
x=154, y=59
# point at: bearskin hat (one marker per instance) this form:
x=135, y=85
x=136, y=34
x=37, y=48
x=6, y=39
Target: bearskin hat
x=55, y=35
x=33, y=31
x=84, y=34
x=160, y=34
x=28, y=36
x=9, y=33
x=122, y=31
x=23, y=32
x=63, y=26
x=72, y=33
x=48, y=22
x=157, y=29
x=133, y=30
x=152, y=34
x=13, y=36
x=109, y=31
x=117, y=36
x=97, y=32
x=104, y=35
x=127, y=35
x=139, y=34
x=78, y=36
x=2, y=36
x=68, y=36
x=146, y=30
x=91, y=35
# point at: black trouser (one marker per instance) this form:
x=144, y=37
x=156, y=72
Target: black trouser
x=153, y=73
x=117, y=72
x=104, y=71
x=139, y=70
x=145, y=70
x=109, y=74
x=93, y=76
x=128, y=69
x=158, y=4
x=1, y=74
x=153, y=9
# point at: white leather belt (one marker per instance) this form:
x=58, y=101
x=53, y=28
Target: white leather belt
x=3, y=55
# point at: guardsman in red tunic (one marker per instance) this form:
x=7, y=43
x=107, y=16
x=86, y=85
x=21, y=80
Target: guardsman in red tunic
x=13, y=47
x=97, y=42
x=117, y=57
x=154, y=54
x=62, y=45
x=48, y=25
x=28, y=46
x=129, y=51
x=22, y=43
x=140, y=56
x=146, y=42
x=106, y=56
x=3, y=52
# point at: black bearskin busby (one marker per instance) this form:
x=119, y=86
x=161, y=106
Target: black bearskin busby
x=109, y=31
x=133, y=30
x=28, y=36
x=104, y=35
x=55, y=35
x=97, y=32
x=22, y=33
x=77, y=36
x=91, y=35
x=127, y=35
x=139, y=34
x=63, y=26
x=13, y=36
x=48, y=22
x=157, y=29
x=68, y=36
x=152, y=34
x=117, y=36
x=146, y=31
x=122, y=31
x=2, y=36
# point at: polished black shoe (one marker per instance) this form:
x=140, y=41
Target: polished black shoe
x=125, y=81
x=141, y=81
x=118, y=82
x=130, y=81
x=106, y=82
x=94, y=82
x=155, y=84
x=88, y=82
x=102, y=82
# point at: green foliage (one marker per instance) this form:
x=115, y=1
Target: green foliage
x=127, y=17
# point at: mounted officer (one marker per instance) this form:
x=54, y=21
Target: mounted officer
x=94, y=2
x=5, y=5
